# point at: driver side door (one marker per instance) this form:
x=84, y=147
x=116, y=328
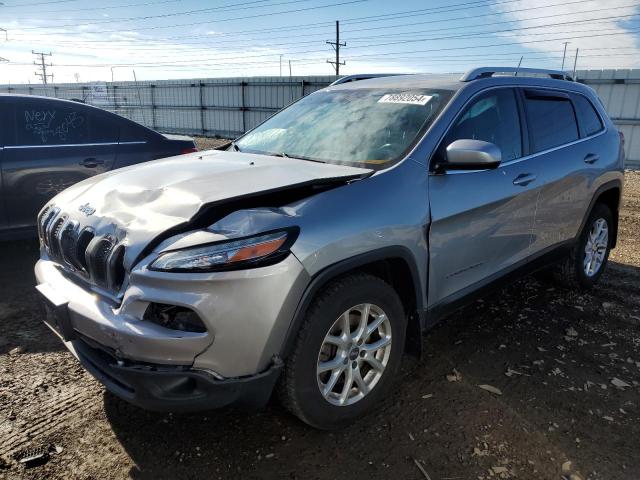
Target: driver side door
x=481, y=220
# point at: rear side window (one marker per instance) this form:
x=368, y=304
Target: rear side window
x=492, y=117
x=587, y=116
x=133, y=132
x=551, y=121
x=50, y=123
x=103, y=128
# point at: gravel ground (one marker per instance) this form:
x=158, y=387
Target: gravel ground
x=207, y=143
x=555, y=356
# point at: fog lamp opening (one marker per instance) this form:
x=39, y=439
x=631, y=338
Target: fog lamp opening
x=174, y=317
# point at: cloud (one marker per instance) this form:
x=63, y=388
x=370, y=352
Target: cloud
x=604, y=42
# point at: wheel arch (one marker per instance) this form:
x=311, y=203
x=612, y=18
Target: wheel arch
x=609, y=194
x=396, y=265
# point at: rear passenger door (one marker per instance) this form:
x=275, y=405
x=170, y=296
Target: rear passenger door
x=481, y=221
x=566, y=156
x=55, y=144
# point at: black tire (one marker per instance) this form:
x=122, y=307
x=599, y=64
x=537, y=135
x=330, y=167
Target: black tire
x=298, y=388
x=571, y=272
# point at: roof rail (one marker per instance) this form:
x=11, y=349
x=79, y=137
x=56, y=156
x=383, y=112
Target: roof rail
x=362, y=76
x=485, y=72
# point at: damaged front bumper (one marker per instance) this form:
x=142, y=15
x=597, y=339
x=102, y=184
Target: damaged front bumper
x=172, y=388
x=247, y=314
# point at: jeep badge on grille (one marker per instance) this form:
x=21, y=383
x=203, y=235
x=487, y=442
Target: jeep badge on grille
x=87, y=209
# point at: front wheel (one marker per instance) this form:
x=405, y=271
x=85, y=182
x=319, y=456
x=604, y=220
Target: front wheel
x=587, y=261
x=347, y=352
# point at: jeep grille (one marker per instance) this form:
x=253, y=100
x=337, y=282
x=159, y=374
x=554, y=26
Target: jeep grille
x=100, y=260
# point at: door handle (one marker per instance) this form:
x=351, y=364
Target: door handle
x=591, y=158
x=524, y=179
x=91, y=162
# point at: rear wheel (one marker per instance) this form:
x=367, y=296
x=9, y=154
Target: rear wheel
x=347, y=352
x=587, y=261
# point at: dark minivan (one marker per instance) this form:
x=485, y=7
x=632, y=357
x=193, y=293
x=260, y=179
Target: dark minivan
x=48, y=144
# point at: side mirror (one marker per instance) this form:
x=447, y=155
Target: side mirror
x=467, y=154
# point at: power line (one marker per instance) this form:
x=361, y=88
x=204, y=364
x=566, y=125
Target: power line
x=164, y=47
x=191, y=24
x=336, y=46
x=477, y=3
x=482, y=34
x=241, y=6
x=93, y=8
x=361, y=19
x=219, y=42
x=42, y=66
x=38, y=3
x=441, y=49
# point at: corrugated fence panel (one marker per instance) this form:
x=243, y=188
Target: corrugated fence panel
x=225, y=107
x=619, y=91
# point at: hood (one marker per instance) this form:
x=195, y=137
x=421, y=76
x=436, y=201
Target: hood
x=135, y=205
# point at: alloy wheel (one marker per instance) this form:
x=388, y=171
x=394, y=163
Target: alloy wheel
x=596, y=248
x=354, y=354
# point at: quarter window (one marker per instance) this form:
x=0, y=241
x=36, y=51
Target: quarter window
x=551, y=121
x=494, y=118
x=587, y=115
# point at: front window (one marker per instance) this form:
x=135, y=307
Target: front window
x=359, y=127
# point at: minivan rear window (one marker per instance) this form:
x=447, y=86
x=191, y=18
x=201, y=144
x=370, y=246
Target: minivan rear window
x=551, y=121
x=587, y=115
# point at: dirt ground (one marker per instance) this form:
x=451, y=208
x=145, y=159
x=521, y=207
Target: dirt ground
x=556, y=356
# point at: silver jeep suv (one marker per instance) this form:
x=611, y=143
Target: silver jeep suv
x=318, y=248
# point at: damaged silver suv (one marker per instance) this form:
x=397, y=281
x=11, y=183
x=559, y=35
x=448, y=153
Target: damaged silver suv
x=314, y=252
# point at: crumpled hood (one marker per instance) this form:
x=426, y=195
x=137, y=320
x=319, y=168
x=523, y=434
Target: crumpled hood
x=136, y=204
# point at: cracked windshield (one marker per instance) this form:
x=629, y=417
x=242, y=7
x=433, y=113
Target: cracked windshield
x=360, y=127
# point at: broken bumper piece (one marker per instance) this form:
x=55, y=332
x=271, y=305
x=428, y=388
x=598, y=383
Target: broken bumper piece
x=173, y=388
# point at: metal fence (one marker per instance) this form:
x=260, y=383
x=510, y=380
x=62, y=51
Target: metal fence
x=227, y=107
x=224, y=107
x=620, y=93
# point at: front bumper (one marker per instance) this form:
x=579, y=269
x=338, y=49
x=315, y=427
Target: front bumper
x=172, y=388
x=247, y=314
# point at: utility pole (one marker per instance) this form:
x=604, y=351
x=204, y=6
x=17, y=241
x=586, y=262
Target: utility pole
x=564, y=54
x=280, y=64
x=575, y=62
x=336, y=46
x=43, y=67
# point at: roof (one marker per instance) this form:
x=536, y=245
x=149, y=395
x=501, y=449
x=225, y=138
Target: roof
x=456, y=81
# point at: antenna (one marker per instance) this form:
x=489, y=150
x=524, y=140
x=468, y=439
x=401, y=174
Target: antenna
x=518, y=67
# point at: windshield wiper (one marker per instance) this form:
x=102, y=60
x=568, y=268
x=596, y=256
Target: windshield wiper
x=235, y=147
x=297, y=157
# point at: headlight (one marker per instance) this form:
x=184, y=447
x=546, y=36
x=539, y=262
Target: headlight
x=260, y=250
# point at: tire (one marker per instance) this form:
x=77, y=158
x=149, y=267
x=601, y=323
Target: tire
x=573, y=270
x=301, y=383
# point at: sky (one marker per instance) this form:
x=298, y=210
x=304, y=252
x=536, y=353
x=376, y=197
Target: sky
x=168, y=39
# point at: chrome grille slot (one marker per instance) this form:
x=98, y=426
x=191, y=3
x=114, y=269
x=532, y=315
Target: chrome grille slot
x=84, y=238
x=98, y=255
x=45, y=222
x=116, y=270
x=54, y=238
x=68, y=240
